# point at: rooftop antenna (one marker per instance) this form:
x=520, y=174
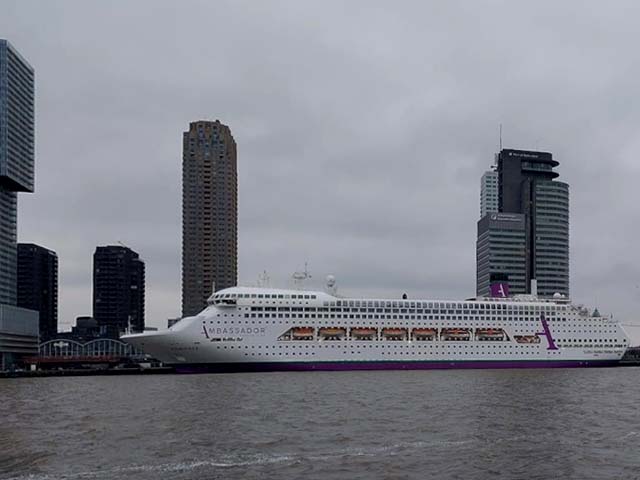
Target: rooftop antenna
x=500, y=137
x=300, y=277
x=263, y=279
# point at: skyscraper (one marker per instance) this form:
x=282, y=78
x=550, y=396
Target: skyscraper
x=209, y=213
x=38, y=285
x=18, y=326
x=527, y=186
x=118, y=290
x=489, y=193
x=500, y=249
x=16, y=157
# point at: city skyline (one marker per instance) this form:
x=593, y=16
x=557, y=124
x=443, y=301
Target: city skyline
x=316, y=180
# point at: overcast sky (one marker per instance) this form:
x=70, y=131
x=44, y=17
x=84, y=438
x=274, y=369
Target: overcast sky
x=363, y=129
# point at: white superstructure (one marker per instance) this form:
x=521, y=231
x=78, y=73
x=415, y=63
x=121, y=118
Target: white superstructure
x=272, y=329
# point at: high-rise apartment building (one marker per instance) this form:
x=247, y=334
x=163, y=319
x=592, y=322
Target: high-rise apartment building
x=17, y=148
x=118, y=290
x=527, y=186
x=209, y=213
x=489, y=193
x=38, y=285
x=18, y=326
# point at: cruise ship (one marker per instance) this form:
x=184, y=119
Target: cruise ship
x=264, y=329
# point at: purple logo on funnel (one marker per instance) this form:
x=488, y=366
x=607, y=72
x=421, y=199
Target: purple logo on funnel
x=499, y=290
x=547, y=333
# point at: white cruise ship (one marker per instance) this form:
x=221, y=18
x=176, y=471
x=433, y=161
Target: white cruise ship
x=261, y=329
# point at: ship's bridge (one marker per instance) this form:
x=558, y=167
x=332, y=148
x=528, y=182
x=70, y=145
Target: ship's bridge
x=258, y=295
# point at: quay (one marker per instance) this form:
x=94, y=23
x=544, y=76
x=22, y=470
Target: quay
x=86, y=372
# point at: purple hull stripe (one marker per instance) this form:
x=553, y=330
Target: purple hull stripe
x=391, y=365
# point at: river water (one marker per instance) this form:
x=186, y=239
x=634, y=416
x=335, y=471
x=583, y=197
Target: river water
x=529, y=424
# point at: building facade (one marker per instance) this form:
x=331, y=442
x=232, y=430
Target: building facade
x=38, y=285
x=18, y=335
x=489, y=193
x=18, y=326
x=500, y=249
x=550, y=244
x=209, y=213
x=527, y=186
x=17, y=153
x=118, y=290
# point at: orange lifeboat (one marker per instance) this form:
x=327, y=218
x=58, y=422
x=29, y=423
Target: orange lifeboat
x=490, y=334
x=455, y=331
x=424, y=331
x=364, y=332
x=332, y=332
x=303, y=332
x=392, y=332
x=455, y=334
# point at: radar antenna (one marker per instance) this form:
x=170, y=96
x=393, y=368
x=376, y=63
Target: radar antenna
x=300, y=277
x=263, y=279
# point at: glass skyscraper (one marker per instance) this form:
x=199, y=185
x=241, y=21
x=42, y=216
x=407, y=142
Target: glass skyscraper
x=527, y=238
x=489, y=193
x=18, y=326
x=16, y=157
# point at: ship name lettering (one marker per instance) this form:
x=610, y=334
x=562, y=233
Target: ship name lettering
x=237, y=330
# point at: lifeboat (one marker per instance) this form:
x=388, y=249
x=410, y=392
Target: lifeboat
x=490, y=334
x=332, y=332
x=424, y=333
x=303, y=332
x=393, y=333
x=527, y=338
x=364, y=332
x=455, y=334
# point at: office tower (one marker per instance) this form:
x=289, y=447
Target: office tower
x=209, y=213
x=18, y=326
x=527, y=186
x=501, y=249
x=118, y=290
x=16, y=157
x=38, y=285
x=489, y=193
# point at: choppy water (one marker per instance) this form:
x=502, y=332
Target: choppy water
x=532, y=424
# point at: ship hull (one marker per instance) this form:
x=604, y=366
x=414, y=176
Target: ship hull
x=388, y=365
